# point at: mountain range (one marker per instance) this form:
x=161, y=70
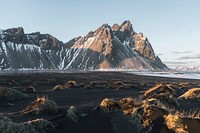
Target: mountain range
x=108, y=47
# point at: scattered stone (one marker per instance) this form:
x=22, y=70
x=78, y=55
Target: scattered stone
x=30, y=89
x=71, y=114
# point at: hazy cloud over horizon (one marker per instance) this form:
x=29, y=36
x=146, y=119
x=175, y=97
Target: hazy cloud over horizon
x=182, y=52
x=195, y=56
x=175, y=62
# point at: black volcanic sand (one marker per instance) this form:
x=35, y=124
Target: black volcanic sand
x=84, y=99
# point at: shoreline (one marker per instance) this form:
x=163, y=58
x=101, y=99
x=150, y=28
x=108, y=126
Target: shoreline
x=165, y=74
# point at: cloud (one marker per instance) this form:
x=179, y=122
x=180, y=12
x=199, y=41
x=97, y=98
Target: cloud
x=181, y=52
x=195, y=56
x=175, y=62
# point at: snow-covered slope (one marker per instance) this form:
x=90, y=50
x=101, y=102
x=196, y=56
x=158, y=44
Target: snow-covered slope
x=116, y=47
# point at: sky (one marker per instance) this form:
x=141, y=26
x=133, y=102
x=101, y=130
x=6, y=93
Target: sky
x=172, y=26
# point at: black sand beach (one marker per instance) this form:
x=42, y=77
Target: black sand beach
x=91, y=89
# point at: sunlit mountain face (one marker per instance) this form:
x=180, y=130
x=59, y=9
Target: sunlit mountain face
x=116, y=47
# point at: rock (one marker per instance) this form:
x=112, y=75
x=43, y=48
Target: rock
x=115, y=27
x=126, y=27
x=29, y=89
x=15, y=35
x=71, y=114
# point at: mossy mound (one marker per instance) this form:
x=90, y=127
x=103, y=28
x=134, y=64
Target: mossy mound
x=34, y=126
x=42, y=106
x=11, y=94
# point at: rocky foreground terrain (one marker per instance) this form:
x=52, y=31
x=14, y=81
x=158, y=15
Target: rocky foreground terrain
x=98, y=102
x=108, y=47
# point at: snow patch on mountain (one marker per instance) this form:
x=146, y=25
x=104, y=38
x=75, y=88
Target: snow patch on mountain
x=186, y=68
x=119, y=47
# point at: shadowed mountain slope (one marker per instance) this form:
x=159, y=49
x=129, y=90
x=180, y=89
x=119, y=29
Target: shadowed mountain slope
x=116, y=47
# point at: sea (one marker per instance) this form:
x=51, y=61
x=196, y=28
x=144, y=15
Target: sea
x=170, y=74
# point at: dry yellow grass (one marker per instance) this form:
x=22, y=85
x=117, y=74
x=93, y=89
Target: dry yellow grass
x=175, y=123
x=109, y=105
x=57, y=88
x=127, y=105
x=193, y=93
x=70, y=84
x=42, y=105
x=160, y=88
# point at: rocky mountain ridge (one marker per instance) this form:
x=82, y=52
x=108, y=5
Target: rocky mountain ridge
x=116, y=47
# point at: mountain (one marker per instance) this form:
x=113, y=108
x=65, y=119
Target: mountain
x=186, y=68
x=116, y=47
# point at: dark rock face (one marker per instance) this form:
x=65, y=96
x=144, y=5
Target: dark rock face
x=15, y=35
x=116, y=47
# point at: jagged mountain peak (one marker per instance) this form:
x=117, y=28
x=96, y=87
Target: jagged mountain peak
x=106, y=25
x=126, y=27
x=18, y=30
x=104, y=32
x=107, y=47
x=143, y=46
x=116, y=47
x=17, y=36
x=115, y=27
